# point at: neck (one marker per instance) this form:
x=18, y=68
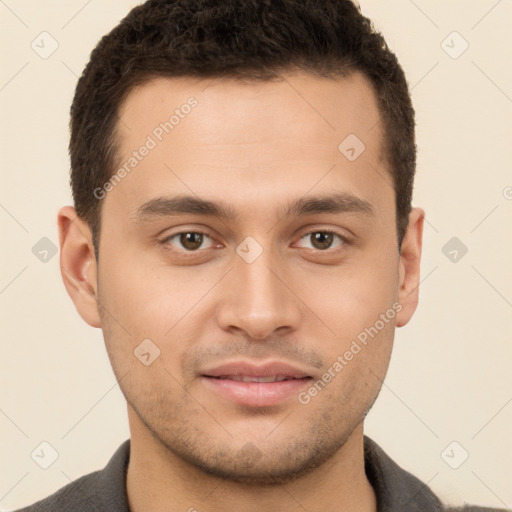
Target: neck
x=158, y=480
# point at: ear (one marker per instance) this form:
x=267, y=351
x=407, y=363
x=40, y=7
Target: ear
x=409, y=270
x=78, y=264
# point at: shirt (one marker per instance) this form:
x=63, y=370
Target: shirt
x=396, y=490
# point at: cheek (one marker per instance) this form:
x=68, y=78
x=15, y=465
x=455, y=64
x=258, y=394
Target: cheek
x=352, y=295
x=157, y=302
x=358, y=303
x=137, y=293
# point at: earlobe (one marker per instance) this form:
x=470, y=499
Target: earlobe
x=78, y=264
x=409, y=267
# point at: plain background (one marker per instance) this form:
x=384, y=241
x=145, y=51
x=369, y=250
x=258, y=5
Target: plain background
x=450, y=377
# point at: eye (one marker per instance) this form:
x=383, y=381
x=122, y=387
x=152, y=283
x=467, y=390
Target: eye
x=323, y=239
x=188, y=240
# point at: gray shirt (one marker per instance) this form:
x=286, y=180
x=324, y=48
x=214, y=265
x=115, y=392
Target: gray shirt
x=105, y=490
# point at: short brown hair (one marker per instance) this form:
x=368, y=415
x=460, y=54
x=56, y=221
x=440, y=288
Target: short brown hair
x=246, y=39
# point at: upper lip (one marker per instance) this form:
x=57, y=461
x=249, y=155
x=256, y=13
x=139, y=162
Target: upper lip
x=249, y=369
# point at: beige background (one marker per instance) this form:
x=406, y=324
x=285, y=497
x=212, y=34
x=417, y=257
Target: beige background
x=450, y=376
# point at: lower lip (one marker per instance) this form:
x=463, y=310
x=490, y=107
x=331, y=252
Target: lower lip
x=256, y=394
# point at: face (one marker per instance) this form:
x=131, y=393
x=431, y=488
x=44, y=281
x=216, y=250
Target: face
x=254, y=248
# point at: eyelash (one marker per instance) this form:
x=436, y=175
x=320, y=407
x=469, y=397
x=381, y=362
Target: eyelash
x=343, y=239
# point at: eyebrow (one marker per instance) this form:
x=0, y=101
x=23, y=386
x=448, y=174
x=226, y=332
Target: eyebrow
x=166, y=206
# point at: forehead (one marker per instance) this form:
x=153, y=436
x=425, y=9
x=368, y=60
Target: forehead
x=228, y=137
x=320, y=104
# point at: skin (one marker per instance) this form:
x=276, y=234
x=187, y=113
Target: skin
x=255, y=146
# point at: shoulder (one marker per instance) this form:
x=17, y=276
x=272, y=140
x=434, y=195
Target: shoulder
x=397, y=489
x=101, y=490
x=78, y=496
x=473, y=508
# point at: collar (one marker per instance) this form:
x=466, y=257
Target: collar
x=395, y=488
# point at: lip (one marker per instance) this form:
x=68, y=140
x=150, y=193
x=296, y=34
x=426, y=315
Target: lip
x=255, y=394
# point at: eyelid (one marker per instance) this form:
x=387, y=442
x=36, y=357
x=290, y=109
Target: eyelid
x=344, y=239
x=166, y=239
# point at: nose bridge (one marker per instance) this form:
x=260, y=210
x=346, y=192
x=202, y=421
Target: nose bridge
x=259, y=280
x=259, y=302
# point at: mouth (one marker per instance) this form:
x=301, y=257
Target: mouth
x=245, y=383
x=247, y=378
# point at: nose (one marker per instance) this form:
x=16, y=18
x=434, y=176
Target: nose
x=260, y=299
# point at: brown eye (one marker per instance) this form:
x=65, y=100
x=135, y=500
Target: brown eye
x=322, y=240
x=191, y=241
x=188, y=240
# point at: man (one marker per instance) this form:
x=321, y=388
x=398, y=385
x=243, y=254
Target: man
x=243, y=235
